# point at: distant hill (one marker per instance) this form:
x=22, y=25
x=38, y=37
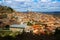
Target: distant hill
x=57, y=14
x=5, y=9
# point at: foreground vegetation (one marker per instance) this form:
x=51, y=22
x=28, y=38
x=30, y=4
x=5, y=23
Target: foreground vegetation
x=30, y=36
x=4, y=33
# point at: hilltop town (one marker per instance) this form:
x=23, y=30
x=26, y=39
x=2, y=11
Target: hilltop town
x=32, y=17
x=19, y=17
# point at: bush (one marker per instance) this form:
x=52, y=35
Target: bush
x=5, y=9
x=29, y=24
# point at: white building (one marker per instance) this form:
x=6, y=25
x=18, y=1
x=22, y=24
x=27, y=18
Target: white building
x=16, y=27
x=21, y=27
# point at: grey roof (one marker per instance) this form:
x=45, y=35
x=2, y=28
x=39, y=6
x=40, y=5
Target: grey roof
x=18, y=26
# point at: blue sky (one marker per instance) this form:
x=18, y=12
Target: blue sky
x=33, y=5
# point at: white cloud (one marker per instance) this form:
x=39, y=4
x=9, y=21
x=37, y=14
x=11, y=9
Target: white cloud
x=46, y=0
x=0, y=1
x=22, y=0
x=54, y=1
x=19, y=0
x=41, y=5
x=8, y=1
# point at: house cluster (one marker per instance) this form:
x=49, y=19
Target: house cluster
x=39, y=23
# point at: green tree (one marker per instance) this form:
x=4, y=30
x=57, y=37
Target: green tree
x=4, y=15
x=29, y=24
x=5, y=9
